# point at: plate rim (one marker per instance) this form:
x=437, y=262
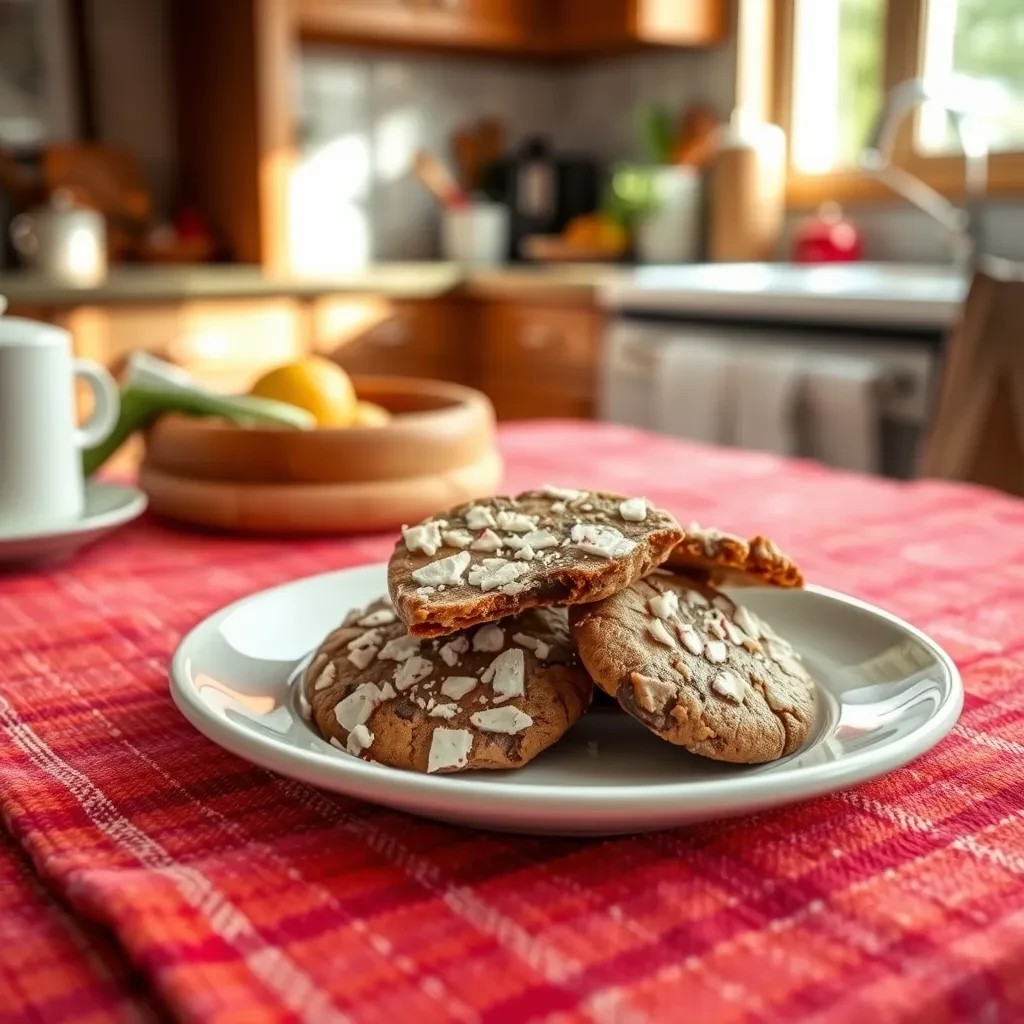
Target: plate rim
x=801, y=782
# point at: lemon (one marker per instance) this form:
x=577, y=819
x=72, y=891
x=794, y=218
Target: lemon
x=369, y=414
x=316, y=385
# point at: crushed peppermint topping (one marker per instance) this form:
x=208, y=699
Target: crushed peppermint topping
x=326, y=677
x=371, y=638
x=558, y=507
x=664, y=606
x=509, y=720
x=657, y=629
x=728, y=684
x=540, y=539
x=603, y=541
x=450, y=651
x=401, y=648
x=776, y=648
x=562, y=493
x=444, y=570
x=457, y=538
x=733, y=632
x=516, y=522
x=490, y=637
x=690, y=639
x=531, y=643
x=790, y=666
x=633, y=510
x=412, y=671
x=357, y=707
x=525, y=553
x=506, y=674
x=425, y=538
x=358, y=740
x=362, y=656
x=696, y=598
x=457, y=687
x=497, y=573
x=514, y=541
x=449, y=748
x=444, y=711
x=381, y=617
x=748, y=622
x=716, y=652
x=487, y=541
x=478, y=517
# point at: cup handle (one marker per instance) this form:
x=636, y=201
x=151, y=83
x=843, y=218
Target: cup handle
x=107, y=404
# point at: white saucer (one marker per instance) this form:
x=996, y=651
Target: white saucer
x=887, y=694
x=107, y=506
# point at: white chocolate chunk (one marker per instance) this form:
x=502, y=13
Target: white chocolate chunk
x=359, y=739
x=400, y=648
x=791, y=667
x=506, y=674
x=691, y=641
x=371, y=638
x=450, y=651
x=490, y=637
x=633, y=510
x=516, y=522
x=478, y=517
x=531, y=643
x=449, y=748
x=443, y=711
x=387, y=692
x=425, y=538
x=513, y=541
x=716, y=652
x=362, y=656
x=748, y=622
x=602, y=541
x=540, y=539
x=357, y=707
x=525, y=553
x=728, y=684
x=457, y=687
x=381, y=617
x=733, y=632
x=664, y=606
x=657, y=629
x=509, y=720
x=513, y=588
x=327, y=676
x=457, y=538
x=776, y=648
x=487, y=541
x=696, y=598
x=411, y=671
x=444, y=570
x=562, y=493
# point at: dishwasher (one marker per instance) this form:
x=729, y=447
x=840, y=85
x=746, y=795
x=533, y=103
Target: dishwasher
x=632, y=360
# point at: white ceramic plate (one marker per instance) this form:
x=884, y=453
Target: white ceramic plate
x=107, y=506
x=887, y=694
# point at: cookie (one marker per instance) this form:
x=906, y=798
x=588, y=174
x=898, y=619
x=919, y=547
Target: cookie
x=697, y=669
x=724, y=559
x=491, y=697
x=492, y=558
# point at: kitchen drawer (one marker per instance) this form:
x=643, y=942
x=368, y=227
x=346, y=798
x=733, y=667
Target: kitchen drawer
x=223, y=344
x=375, y=335
x=539, y=360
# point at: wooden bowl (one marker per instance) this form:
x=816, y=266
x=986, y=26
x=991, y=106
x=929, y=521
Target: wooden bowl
x=438, y=450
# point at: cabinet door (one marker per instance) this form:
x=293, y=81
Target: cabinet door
x=377, y=336
x=606, y=25
x=539, y=360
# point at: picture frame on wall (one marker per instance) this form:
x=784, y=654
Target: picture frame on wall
x=37, y=74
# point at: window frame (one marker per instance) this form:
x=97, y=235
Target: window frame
x=903, y=58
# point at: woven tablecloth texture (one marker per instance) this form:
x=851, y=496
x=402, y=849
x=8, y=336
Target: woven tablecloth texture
x=146, y=873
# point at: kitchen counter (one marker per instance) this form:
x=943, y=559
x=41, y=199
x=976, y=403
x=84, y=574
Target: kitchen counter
x=142, y=284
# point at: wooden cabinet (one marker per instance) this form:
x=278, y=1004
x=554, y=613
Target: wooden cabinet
x=595, y=26
x=376, y=335
x=458, y=24
x=539, y=360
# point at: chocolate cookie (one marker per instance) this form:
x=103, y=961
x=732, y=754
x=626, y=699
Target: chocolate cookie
x=724, y=559
x=697, y=669
x=493, y=697
x=488, y=559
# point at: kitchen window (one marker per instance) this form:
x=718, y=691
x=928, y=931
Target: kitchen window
x=834, y=61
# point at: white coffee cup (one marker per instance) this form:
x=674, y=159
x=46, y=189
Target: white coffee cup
x=41, y=480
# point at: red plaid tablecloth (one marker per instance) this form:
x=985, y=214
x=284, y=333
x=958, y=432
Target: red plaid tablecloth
x=147, y=872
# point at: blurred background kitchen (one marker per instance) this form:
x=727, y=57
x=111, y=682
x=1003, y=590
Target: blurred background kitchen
x=678, y=214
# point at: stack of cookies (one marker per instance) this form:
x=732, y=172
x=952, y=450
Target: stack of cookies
x=504, y=613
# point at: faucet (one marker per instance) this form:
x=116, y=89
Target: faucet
x=961, y=98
